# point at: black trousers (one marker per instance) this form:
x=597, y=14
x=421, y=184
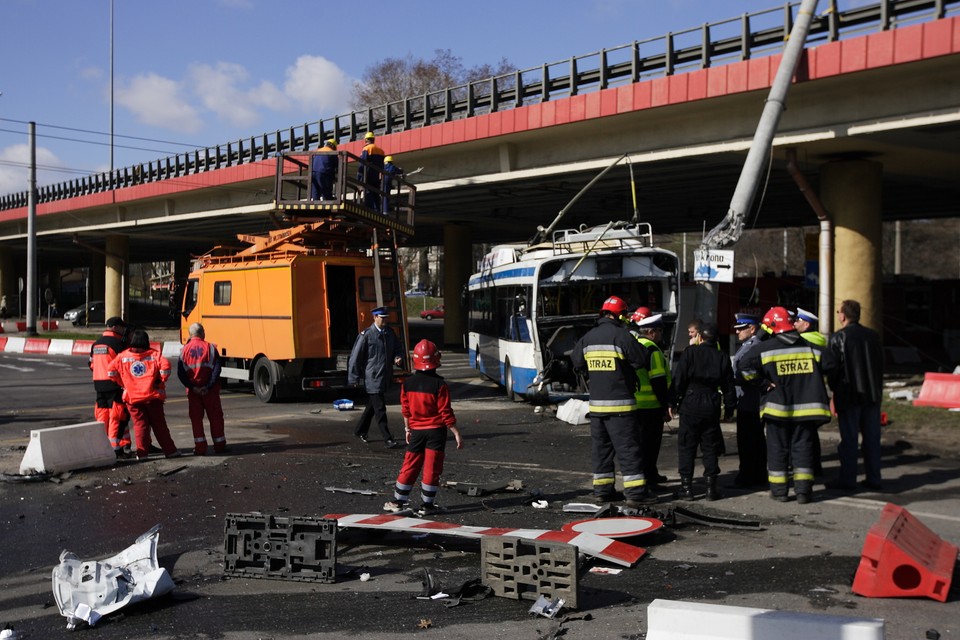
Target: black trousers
x=651, y=438
x=376, y=409
x=790, y=445
x=616, y=436
x=751, y=448
x=702, y=432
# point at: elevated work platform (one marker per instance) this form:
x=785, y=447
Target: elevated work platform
x=387, y=201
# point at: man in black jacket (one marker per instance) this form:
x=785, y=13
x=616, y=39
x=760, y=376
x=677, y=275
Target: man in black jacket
x=857, y=391
x=702, y=377
x=610, y=356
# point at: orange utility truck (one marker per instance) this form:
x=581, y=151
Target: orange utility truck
x=285, y=311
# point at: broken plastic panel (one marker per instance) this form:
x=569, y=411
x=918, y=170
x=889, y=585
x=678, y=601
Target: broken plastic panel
x=88, y=590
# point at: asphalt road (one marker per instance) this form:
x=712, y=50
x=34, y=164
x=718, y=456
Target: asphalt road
x=283, y=457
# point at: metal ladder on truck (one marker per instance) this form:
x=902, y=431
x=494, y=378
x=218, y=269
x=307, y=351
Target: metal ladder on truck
x=346, y=212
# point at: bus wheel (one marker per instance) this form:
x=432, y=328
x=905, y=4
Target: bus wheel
x=508, y=382
x=476, y=361
x=266, y=375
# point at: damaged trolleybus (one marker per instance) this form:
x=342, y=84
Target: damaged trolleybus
x=529, y=304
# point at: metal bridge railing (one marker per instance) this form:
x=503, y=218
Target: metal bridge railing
x=749, y=36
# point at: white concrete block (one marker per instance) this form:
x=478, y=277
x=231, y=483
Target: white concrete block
x=74, y=446
x=15, y=344
x=60, y=347
x=171, y=349
x=678, y=620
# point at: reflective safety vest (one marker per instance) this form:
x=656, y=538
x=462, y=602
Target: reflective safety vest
x=142, y=374
x=795, y=368
x=645, y=395
x=814, y=337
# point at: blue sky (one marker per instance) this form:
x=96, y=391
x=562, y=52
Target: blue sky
x=194, y=73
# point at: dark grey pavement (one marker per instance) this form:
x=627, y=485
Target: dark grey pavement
x=284, y=455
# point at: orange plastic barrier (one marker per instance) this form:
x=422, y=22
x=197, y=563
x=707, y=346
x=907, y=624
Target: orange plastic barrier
x=903, y=558
x=939, y=390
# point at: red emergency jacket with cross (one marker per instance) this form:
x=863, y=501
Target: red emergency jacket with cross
x=102, y=353
x=142, y=374
x=199, y=365
x=425, y=401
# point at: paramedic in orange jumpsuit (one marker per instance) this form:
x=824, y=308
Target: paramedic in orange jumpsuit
x=109, y=408
x=143, y=374
x=199, y=371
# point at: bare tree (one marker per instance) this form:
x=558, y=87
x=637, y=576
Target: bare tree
x=395, y=79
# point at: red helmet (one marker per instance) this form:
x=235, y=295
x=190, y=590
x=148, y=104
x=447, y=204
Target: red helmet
x=777, y=320
x=426, y=356
x=640, y=314
x=614, y=305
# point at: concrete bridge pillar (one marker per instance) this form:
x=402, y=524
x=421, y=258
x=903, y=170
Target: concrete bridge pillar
x=851, y=191
x=457, y=268
x=116, y=275
x=98, y=269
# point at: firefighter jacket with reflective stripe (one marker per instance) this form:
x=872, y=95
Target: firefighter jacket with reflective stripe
x=858, y=379
x=610, y=356
x=142, y=374
x=199, y=364
x=102, y=353
x=790, y=373
x=425, y=401
x=702, y=378
x=653, y=384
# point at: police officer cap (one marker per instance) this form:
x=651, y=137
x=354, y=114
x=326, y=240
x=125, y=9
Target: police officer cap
x=803, y=314
x=115, y=321
x=744, y=320
x=381, y=312
x=651, y=322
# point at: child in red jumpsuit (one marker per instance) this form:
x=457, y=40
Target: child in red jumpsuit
x=427, y=416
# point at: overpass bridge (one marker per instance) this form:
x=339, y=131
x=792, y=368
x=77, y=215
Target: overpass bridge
x=874, y=116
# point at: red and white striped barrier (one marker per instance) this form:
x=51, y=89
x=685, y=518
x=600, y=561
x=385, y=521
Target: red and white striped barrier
x=587, y=543
x=65, y=347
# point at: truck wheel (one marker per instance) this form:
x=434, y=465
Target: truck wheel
x=266, y=375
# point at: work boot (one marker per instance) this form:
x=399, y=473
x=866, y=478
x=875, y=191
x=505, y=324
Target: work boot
x=686, y=488
x=645, y=498
x=713, y=493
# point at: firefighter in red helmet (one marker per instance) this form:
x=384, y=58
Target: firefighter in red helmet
x=793, y=401
x=427, y=417
x=610, y=357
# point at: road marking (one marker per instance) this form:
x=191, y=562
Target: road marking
x=873, y=505
x=20, y=369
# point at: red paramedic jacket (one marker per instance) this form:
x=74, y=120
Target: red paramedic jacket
x=142, y=374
